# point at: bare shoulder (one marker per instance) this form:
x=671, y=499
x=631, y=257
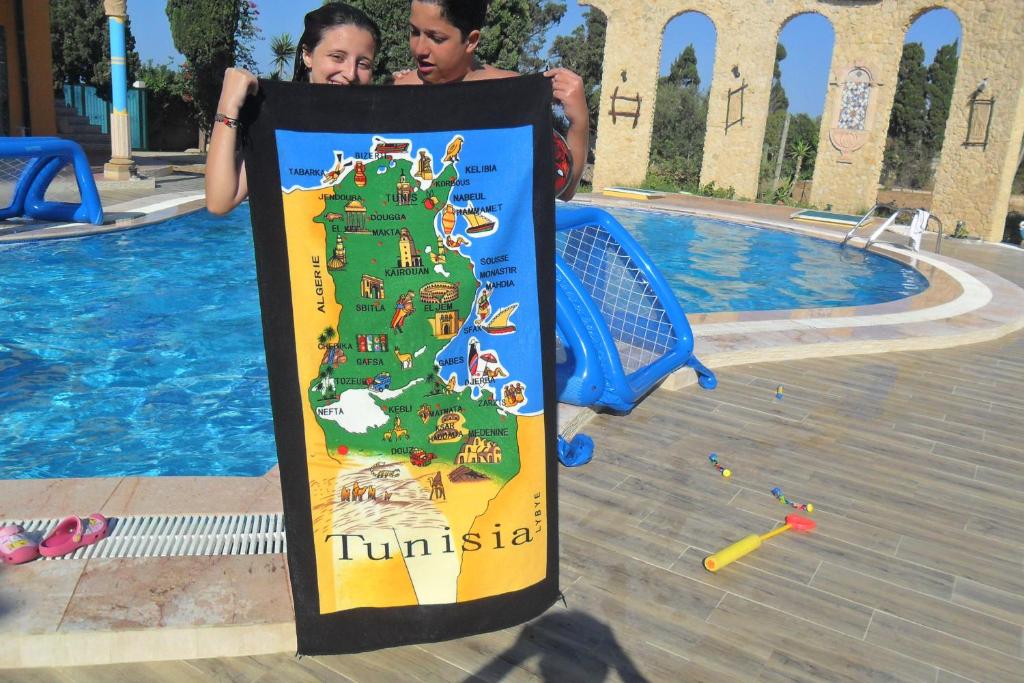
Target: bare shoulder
x=487, y=73
x=407, y=77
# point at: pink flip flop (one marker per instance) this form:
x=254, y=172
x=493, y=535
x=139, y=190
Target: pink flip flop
x=72, y=533
x=15, y=546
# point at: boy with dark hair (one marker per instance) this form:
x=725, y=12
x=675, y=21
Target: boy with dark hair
x=443, y=38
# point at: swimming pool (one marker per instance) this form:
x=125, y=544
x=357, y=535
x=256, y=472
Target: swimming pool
x=137, y=353
x=140, y=353
x=714, y=266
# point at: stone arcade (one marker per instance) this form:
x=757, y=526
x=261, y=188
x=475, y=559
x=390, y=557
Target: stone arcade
x=972, y=181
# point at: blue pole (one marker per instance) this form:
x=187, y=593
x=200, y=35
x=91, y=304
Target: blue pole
x=120, y=166
x=118, y=64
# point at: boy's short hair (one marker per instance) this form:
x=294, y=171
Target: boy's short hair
x=465, y=15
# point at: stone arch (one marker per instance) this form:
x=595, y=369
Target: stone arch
x=683, y=104
x=929, y=6
x=688, y=9
x=775, y=130
x=912, y=167
x=677, y=13
x=631, y=59
x=797, y=13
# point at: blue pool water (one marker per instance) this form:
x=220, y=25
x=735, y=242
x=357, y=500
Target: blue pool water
x=134, y=353
x=141, y=354
x=717, y=266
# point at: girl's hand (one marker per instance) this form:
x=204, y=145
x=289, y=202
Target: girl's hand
x=567, y=88
x=238, y=84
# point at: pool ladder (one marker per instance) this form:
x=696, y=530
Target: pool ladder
x=871, y=214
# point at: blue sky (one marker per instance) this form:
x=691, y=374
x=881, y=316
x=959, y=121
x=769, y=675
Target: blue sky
x=808, y=40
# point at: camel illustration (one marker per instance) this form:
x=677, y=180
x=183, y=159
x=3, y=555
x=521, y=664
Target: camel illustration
x=404, y=358
x=356, y=492
x=398, y=432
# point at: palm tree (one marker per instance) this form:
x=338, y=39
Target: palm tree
x=801, y=150
x=283, y=49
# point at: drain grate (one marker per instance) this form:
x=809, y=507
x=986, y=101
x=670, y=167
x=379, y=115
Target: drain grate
x=176, y=536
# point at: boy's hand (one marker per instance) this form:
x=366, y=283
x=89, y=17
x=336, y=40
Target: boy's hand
x=567, y=88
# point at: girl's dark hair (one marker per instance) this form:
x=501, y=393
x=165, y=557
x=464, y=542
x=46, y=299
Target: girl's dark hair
x=320, y=20
x=465, y=15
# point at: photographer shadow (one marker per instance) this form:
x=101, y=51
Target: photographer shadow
x=571, y=645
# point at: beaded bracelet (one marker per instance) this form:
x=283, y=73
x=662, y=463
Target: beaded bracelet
x=226, y=120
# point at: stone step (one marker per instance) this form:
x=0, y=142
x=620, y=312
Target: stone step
x=88, y=138
x=73, y=126
x=76, y=129
x=72, y=115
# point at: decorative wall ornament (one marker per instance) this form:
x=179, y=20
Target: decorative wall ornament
x=855, y=113
x=734, y=107
x=635, y=99
x=979, y=121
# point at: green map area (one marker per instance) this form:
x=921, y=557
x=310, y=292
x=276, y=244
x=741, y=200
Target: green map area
x=404, y=295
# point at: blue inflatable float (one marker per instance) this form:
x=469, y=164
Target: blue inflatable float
x=621, y=329
x=47, y=156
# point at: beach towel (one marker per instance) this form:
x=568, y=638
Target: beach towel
x=404, y=248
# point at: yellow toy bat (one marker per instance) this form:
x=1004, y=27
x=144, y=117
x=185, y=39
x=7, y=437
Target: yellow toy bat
x=751, y=543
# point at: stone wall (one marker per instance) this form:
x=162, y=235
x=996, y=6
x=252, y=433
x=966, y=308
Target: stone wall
x=972, y=182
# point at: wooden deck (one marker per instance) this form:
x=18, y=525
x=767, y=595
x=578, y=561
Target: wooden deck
x=914, y=463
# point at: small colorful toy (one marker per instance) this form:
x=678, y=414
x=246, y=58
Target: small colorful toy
x=724, y=471
x=751, y=543
x=806, y=507
x=778, y=393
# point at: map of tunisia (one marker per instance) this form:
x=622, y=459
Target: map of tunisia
x=415, y=445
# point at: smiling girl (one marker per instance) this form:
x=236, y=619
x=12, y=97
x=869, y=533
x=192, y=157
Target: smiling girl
x=337, y=47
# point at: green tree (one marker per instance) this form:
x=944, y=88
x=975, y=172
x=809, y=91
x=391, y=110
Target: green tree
x=777, y=99
x=246, y=35
x=677, y=147
x=583, y=52
x=941, y=79
x=80, y=41
x=910, y=103
x=392, y=17
x=166, y=93
x=515, y=30
x=803, y=129
x=505, y=33
x=680, y=121
x=908, y=160
x=212, y=35
x=683, y=71
x=801, y=149
x=543, y=17
x=282, y=48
